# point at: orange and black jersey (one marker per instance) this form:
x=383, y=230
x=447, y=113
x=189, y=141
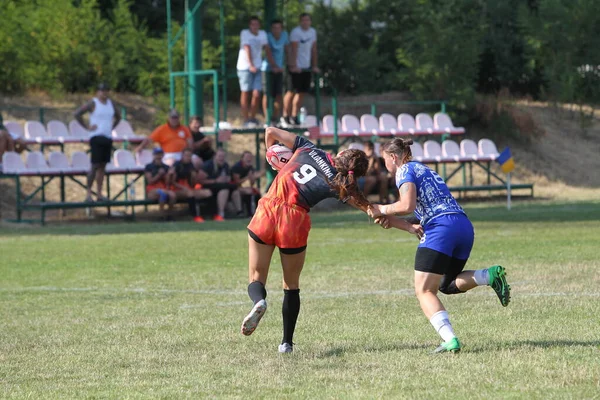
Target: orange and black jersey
x=303, y=181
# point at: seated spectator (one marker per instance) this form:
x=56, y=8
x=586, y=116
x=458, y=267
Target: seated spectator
x=157, y=186
x=10, y=142
x=217, y=178
x=172, y=137
x=202, y=146
x=183, y=182
x=376, y=177
x=244, y=176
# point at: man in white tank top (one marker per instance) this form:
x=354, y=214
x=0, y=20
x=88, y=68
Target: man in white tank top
x=103, y=118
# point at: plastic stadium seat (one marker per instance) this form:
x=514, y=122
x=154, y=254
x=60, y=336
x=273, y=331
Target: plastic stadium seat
x=388, y=123
x=15, y=129
x=369, y=123
x=123, y=131
x=34, y=130
x=144, y=157
x=425, y=124
x=57, y=129
x=417, y=151
x=124, y=160
x=59, y=162
x=468, y=150
x=78, y=131
x=80, y=161
x=36, y=162
x=487, y=149
x=351, y=124
x=451, y=151
x=356, y=146
x=442, y=122
x=432, y=150
x=406, y=124
x=12, y=163
x=328, y=126
x=310, y=121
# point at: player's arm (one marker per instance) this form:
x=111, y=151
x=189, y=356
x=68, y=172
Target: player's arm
x=293, y=55
x=249, y=54
x=87, y=107
x=116, y=117
x=274, y=135
x=400, y=223
x=406, y=204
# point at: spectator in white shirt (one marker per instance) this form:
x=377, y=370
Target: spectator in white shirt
x=252, y=43
x=303, y=60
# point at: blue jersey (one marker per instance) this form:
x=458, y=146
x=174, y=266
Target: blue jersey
x=433, y=196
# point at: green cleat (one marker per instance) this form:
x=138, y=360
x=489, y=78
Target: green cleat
x=451, y=346
x=497, y=277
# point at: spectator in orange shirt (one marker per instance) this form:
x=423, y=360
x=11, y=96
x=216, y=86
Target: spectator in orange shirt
x=172, y=138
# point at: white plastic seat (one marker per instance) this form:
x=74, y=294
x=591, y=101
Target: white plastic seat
x=369, y=124
x=59, y=162
x=388, y=123
x=77, y=131
x=406, y=124
x=58, y=130
x=125, y=160
x=35, y=130
x=451, y=151
x=12, y=163
x=310, y=121
x=425, y=124
x=417, y=151
x=351, y=124
x=80, y=161
x=144, y=157
x=468, y=150
x=15, y=129
x=442, y=122
x=36, y=163
x=328, y=126
x=487, y=149
x=432, y=151
x=123, y=131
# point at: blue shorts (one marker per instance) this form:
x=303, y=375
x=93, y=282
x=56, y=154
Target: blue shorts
x=450, y=234
x=250, y=81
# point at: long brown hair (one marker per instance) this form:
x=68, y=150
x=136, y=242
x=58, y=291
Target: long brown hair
x=399, y=147
x=350, y=165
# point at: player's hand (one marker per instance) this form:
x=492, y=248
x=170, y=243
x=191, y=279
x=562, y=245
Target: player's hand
x=375, y=211
x=316, y=70
x=222, y=179
x=384, y=222
x=417, y=230
x=295, y=70
x=93, y=128
x=253, y=69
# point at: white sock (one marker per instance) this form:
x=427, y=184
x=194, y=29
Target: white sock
x=481, y=277
x=441, y=323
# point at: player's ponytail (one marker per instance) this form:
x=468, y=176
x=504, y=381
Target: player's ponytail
x=399, y=147
x=350, y=165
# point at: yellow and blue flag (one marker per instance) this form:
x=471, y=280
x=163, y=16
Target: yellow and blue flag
x=506, y=161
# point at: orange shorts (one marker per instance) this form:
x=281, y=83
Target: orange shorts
x=183, y=182
x=157, y=185
x=278, y=223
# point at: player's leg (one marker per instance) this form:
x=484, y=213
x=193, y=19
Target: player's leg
x=430, y=267
x=296, y=105
x=259, y=260
x=292, y=261
x=256, y=94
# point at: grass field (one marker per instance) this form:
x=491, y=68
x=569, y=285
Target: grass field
x=145, y=310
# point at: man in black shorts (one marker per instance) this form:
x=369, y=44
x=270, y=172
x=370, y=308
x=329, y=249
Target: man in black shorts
x=202, y=145
x=303, y=60
x=103, y=118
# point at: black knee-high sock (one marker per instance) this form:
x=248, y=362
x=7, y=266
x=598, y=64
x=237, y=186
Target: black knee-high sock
x=192, y=206
x=257, y=291
x=290, y=311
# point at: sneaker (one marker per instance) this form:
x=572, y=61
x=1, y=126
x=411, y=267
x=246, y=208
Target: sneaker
x=497, y=277
x=218, y=218
x=251, y=321
x=294, y=121
x=198, y=220
x=283, y=122
x=286, y=348
x=451, y=346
